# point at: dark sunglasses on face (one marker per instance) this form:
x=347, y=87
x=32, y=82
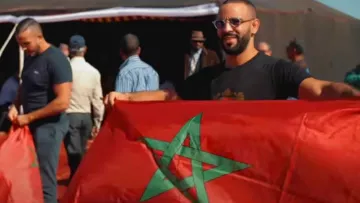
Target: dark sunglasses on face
x=234, y=22
x=197, y=41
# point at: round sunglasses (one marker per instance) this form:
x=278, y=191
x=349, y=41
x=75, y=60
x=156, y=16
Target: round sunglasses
x=234, y=22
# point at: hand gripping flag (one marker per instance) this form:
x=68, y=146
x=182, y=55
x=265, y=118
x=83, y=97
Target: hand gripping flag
x=228, y=151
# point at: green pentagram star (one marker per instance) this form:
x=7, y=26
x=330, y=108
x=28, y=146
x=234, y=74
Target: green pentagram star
x=163, y=180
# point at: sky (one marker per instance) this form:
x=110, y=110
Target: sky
x=351, y=7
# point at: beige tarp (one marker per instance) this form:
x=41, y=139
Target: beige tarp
x=332, y=45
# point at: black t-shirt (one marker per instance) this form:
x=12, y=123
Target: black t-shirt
x=39, y=76
x=261, y=78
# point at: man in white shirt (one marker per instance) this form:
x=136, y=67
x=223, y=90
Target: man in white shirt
x=86, y=100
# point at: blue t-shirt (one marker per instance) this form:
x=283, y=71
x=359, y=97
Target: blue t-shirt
x=39, y=76
x=9, y=91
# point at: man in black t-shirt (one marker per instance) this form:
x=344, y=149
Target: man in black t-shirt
x=246, y=73
x=260, y=78
x=44, y=95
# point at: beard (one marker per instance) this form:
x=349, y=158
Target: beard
x=239, y=47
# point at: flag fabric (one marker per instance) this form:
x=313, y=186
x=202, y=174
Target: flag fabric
x=228, y=151
x=19, y=169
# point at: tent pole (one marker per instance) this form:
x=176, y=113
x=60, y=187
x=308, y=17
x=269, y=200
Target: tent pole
x=21, y=67
x=21, y=61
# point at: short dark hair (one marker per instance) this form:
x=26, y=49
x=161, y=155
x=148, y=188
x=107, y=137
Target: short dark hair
x=296, y=47
x=27, y=23
x=129, y=44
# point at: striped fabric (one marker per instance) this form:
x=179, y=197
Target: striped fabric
x=142, y=18
x=135, y=76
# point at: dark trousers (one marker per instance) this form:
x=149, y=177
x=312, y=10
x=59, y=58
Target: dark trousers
x=76, y=139
x=47, y=139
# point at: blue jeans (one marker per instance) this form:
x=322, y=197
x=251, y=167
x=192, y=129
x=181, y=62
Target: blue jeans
x=48, y=137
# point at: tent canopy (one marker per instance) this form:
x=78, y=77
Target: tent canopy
x=47, y=7
x=69, y=6
x=304, y=6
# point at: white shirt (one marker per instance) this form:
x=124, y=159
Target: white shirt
x=194, y=59
x=86, y=90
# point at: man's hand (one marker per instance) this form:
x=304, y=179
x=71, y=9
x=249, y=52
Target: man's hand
x=13, y=113
x=94, y=132
x=22, y=120
x=113, y=96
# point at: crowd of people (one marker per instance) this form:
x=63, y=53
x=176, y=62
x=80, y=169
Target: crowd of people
x=60, y=95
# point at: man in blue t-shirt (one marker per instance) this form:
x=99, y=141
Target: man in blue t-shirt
x=7, y=97
x=9, y=90
x=44, y=95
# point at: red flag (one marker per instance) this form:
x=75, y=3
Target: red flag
x=273, y=152
x=19, y=171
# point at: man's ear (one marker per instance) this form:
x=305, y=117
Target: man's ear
x=255, y=25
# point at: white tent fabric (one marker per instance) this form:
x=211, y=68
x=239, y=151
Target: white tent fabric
x=7, y=18
x=192, y=11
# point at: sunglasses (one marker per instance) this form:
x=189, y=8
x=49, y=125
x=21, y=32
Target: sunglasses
x=234, y=22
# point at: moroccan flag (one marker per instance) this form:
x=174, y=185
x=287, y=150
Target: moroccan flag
x=228, y=151
x=19, y=170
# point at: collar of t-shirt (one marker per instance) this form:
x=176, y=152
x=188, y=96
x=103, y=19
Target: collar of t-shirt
x=246, y=63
